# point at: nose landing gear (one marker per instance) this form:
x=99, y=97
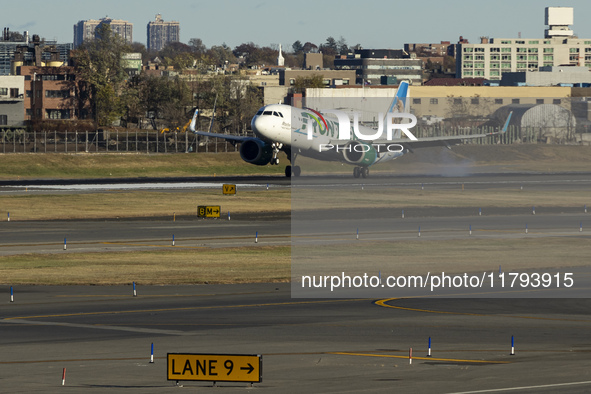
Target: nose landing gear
x=276, y=148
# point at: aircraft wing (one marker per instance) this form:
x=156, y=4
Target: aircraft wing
x=228, y=137
x=433, y=141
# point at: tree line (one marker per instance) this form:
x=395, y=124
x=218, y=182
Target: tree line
x=104, y=87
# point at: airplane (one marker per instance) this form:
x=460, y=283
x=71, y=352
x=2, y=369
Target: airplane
x=281, y=127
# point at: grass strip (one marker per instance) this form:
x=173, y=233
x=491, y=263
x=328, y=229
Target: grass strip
x=229, y=265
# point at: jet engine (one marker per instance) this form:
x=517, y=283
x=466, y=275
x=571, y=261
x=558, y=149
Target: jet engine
x=357, y=152
x=256, y=151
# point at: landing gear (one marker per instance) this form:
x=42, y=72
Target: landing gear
x=295, y=171
x=361, y=171
x=276, y=148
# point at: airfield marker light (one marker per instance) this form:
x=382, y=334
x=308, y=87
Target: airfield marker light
x=526, y=228
x=479, y=211
x=152, y=354
x=64, y=377
x=134, y=291
x=65, y=244
x=172, y=239
x=521, y=187
x=256, y=238
x=500, y=271
x=419, y=231
x=422, y=186
x=362, y=187
x=512, y=346
x=228, y=215
x=429, y=352
x=410, y=356
x=403, y=214
x=533, y=210
x=585, y=208
x=267, y=186
x=8, y=213
x=357, y=232
x=11, y=295
x=581, y=227
x=470, y=229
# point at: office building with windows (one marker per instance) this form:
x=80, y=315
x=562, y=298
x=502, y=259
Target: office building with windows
x=12, y=100
x=492, y=57
x=381, y=66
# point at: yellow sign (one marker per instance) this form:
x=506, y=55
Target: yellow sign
x=215, y=367
x=208, y=211
x=229, y=189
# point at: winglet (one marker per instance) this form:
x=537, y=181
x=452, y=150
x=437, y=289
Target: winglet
x=507, y=123
x=193, y=121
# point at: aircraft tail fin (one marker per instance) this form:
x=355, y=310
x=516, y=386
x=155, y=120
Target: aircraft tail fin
x=400, y=101
x=507, y=123
x=193, y=121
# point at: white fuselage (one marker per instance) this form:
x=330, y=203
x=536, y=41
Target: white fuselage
x=290, y=127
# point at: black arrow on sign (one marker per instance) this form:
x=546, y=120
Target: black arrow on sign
x=249, y=369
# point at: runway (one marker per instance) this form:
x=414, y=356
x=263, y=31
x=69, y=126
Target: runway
x=102, y=335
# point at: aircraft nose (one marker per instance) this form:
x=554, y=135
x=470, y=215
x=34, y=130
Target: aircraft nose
x=261, y=125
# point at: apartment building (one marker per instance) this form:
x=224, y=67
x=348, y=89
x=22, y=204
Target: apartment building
x=85, y=30
x=160, y=33
x=491, y=58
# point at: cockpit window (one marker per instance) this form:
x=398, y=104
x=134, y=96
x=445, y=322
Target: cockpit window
x=260, y=112
x=268, y=113
x=280, y=114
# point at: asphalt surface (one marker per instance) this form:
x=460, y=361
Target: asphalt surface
x=102, y=335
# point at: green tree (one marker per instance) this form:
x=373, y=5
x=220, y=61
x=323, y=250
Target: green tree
x=220, y=54
x=98, y=63
x=342, y=47
x=302, y=83
x=330, y=47
x=197, y=45
x=163, y=97
x=297, y=47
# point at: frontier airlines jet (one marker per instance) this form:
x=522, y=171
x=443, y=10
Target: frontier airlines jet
x=328, y=135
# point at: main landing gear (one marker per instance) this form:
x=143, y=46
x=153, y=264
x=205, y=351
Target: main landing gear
x=295, y=170
x=361, y=171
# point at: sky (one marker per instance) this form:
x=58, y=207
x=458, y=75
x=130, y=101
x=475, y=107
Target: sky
x=371, y=23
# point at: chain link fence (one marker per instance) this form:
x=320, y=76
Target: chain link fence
x=107, y=141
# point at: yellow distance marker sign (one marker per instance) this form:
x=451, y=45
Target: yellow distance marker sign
x=215, y=367
x=204, y=211
x=229, y=189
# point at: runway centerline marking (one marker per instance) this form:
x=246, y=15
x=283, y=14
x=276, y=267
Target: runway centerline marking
x=383, y=304
x=181, y=309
